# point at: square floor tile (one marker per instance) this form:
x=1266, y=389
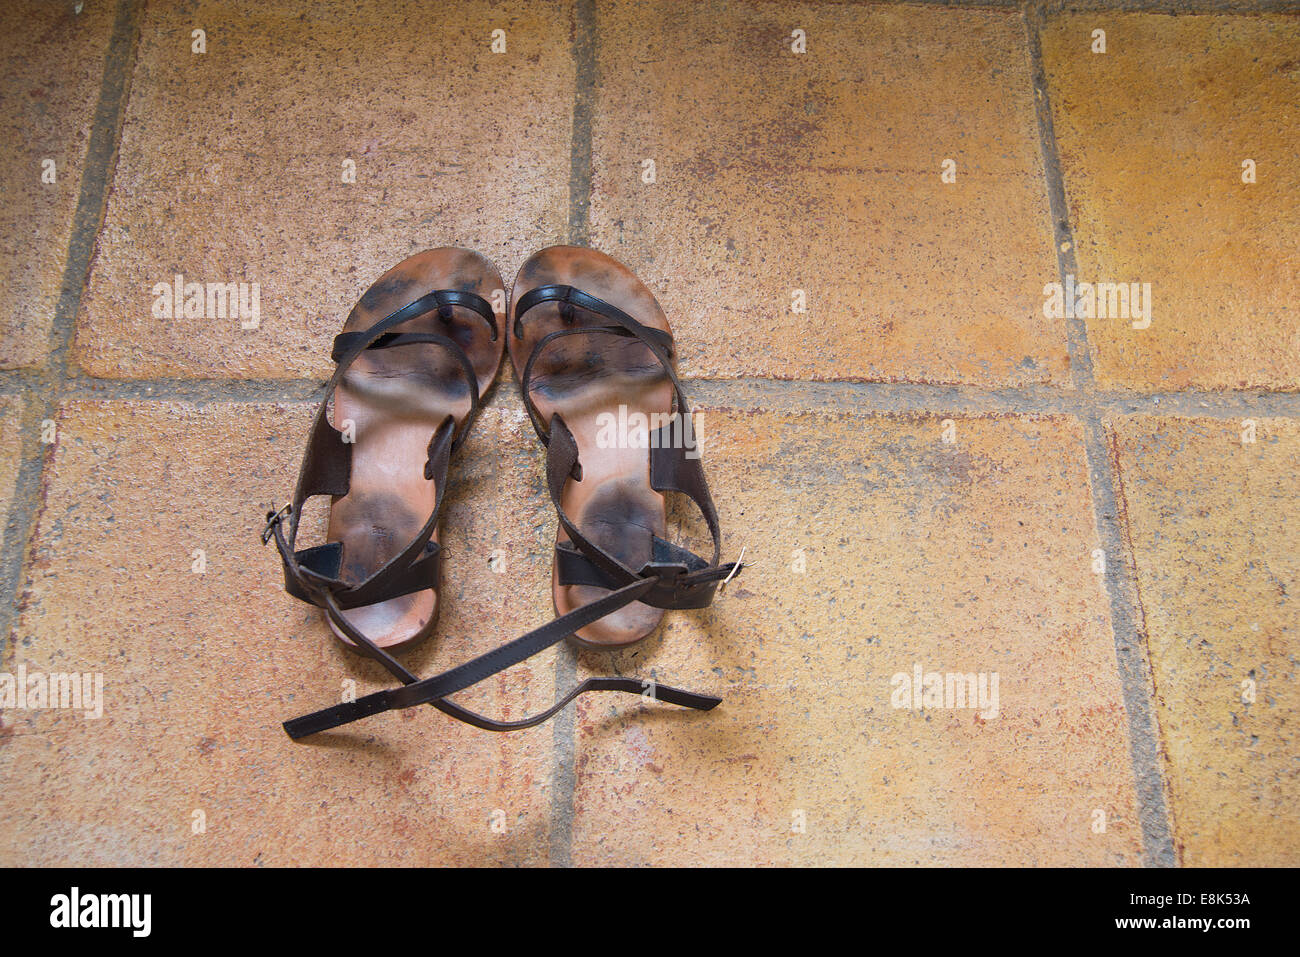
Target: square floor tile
x=51, y=68
x=188, y=763
x=1213, y=525
x=1152, y=136
x=233, y=163
x=967, y=558
x=813, y=180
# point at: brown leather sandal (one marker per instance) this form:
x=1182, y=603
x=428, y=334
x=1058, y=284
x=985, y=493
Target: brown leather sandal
x=600, y=380
x=615, y=573
x=403, y=402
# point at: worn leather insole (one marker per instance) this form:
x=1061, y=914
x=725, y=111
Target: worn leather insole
x=395, y=398
x=580, y=377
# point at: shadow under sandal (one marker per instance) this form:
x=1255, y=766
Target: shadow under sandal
x=589, y=564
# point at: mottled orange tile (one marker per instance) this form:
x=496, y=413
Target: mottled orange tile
x=1212, y=523
x=1152, y=136
x=232, y=169
x=971, y=557
x=51, y=67
x=821, y=172
x=11, y=448
x=200, y=669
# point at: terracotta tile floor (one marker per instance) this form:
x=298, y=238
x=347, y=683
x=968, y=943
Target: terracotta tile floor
x=853, y=213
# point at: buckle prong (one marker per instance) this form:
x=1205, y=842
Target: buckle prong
x=735, y=568
x=274, y=518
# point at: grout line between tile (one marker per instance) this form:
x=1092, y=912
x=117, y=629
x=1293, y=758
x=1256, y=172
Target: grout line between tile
x=931, y=399
x=1081, y=371
x=584, y=93
x=23, y=515
x=564, y=780
x=96, y=182
x=564, y=774
x=1132, y=654
x=200, y=391
x=1172, y=7
x=742, y=393
x=43, y=388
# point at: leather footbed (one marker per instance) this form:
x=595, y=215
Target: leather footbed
x=395, y=399
x=580, y=377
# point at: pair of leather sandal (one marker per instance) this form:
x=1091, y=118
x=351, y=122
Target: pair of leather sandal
x=590, y=347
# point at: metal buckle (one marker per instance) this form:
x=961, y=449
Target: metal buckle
x=273, y=519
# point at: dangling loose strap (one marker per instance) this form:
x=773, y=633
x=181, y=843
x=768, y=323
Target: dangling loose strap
x=433, y=690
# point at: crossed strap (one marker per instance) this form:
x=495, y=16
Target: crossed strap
x=674, y=579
